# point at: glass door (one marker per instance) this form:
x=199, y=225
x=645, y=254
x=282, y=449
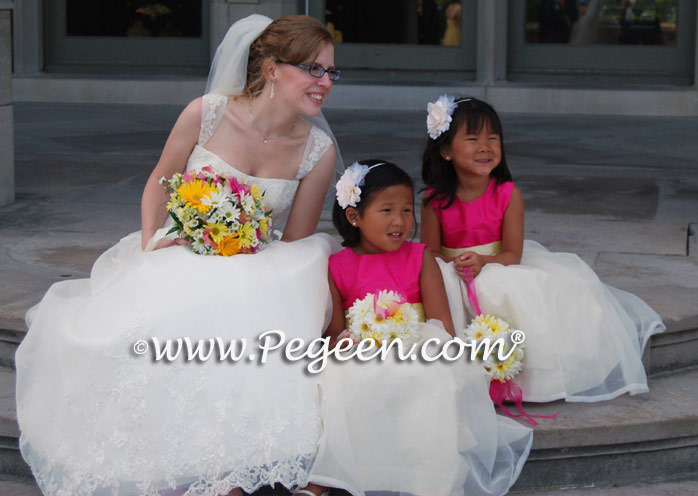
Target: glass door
x=401, y=34
x=648, y=40
x=128, y=36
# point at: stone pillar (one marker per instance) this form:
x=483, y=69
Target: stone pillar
x=7, y=160
x=223, y=13
x=695, y=55
x=491, y=41
x=27, y=37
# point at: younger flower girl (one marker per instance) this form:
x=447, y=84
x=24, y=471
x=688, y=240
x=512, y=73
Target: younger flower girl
x=406, y=427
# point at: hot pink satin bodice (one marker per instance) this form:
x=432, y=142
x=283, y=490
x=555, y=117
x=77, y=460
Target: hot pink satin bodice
x=478, y=222
x=356, y=275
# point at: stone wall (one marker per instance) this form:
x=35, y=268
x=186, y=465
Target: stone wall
x=7, y=161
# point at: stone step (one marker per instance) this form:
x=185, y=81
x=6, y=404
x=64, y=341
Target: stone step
x=643, y=438
x=676, y=348
x=646, y=438
x=9, y=341
x=670, y=488
x=18, y=486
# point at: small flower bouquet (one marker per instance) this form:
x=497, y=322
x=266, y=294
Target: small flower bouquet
x=217, y=214
x=382, y=318
x=500, y=371
x=493, y=328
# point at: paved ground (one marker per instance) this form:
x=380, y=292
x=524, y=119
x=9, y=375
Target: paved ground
x=664, y=489
x=21, y=488
x=619, y=191
x=622, y=192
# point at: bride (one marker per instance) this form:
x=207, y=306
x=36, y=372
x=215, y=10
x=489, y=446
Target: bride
x=97, y=413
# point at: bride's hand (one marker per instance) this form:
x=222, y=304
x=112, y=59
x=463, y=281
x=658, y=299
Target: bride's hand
x=167, y=242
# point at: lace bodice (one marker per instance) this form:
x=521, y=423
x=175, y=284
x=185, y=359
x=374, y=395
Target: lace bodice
x=279, y=193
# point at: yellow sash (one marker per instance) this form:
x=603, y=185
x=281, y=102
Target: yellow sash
x=489, y=249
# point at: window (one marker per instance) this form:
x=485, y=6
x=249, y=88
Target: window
x=402, y=34
x=128, y=36
x=641, y=40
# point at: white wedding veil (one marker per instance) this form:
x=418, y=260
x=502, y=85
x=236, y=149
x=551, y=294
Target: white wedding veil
x=228, y=73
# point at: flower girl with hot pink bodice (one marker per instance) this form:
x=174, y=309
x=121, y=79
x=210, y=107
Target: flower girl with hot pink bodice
x=584, y=339
x=415, y=426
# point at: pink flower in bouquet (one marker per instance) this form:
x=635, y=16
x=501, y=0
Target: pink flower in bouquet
x=236, y=187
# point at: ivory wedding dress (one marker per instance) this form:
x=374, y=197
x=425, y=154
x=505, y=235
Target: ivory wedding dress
x=98, y=418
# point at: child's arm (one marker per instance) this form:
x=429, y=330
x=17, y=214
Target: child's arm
x=512, y=239
x=431, y=231
x=336, y=326
x=431, y=286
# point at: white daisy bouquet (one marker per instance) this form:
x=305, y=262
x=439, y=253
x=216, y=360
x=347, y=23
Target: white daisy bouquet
x=218, y=215
x=383, y=318
x=500, y=371
x=493, y=328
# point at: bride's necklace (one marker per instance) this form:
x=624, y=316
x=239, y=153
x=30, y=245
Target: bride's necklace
x=267, y=139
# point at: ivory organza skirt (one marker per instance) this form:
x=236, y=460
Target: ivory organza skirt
x=416, y=428
x=584, y=338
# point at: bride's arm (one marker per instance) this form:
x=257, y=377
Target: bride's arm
x=179, y=145
x=307, y=206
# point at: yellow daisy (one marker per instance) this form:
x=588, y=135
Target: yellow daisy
x=263, y=226
x=218, y=231
x=194, y=191
x=247, y=233
x=256, y=192
x=229, y=245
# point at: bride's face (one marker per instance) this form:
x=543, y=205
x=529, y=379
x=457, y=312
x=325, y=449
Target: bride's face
x=301, y=90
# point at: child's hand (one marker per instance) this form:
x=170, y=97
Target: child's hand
x=469, y=259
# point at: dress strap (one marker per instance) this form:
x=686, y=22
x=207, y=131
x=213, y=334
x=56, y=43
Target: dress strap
x=318, y=143
x=212, y=109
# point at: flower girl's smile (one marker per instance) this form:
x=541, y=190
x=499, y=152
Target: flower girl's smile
x=475, y=154
x=387, y=220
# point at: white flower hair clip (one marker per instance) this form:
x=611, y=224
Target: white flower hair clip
x=439, y=115
x=348, y=190
x=349, y=185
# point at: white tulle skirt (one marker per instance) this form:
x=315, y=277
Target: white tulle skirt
x=584, y=339
x=97, y=417
x=416, y=428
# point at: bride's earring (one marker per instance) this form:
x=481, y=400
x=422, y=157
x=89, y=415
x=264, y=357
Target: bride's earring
x=271, y=94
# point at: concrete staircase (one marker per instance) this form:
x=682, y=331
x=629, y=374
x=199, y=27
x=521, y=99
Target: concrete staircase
x=648, y=438
x=619, y=191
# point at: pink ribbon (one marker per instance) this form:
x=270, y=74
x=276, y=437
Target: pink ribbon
x=510, y=391
x=470, y=286
x=501, y=391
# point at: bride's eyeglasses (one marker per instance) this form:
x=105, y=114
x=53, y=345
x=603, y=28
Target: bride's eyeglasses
x=318, y=71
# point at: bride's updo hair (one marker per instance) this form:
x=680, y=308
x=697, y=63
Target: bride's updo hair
x=292, y=39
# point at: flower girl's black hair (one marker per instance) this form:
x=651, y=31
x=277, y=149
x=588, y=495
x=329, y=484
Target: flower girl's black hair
x=438, y=174
x=377, y=179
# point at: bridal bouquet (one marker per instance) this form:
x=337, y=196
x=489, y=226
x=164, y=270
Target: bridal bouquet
x=382, y=317
x=493, y=328
x=217, y=214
